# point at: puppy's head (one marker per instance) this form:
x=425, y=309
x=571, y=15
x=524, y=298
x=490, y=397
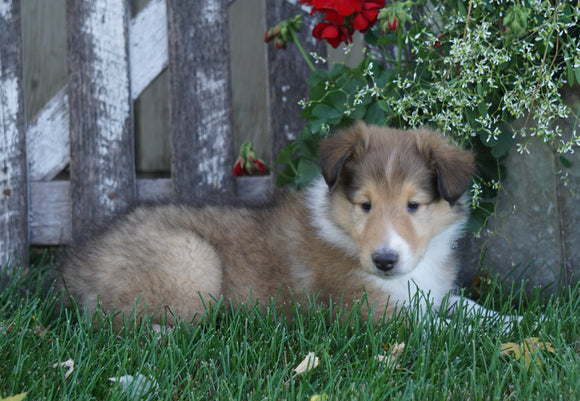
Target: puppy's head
x=393, y=191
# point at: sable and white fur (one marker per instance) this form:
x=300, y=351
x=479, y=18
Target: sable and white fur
x=382, y=219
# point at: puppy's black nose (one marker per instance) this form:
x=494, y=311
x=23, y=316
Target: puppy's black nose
x=385, y=260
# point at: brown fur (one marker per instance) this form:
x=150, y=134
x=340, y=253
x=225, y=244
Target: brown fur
x=321, y=242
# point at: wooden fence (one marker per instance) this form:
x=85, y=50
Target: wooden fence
x=88, y=125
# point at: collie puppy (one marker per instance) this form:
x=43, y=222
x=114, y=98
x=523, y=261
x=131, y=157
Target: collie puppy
x=381, y=220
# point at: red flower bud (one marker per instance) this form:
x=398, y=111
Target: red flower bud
x=392, y=24
x=280, y=44
x=238, y=170
x=272, y=33
x=261, y=167
x=248, y=163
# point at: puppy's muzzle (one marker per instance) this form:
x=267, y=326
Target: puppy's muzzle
x=385, y=260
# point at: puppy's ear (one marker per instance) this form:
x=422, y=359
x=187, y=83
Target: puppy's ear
x=454, y=167
x=335, y=151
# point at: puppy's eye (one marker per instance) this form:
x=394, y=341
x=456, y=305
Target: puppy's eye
x=412, y=207
x=366, y=206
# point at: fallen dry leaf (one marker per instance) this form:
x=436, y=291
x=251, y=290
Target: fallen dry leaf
x=310, y=362
x=526, y=349
x=393, y=354
x=70, y=364
x=17, y=397
x=136, y=387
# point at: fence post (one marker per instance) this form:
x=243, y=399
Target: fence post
x=200, y=99
x=13, y=179
x=102, y=167
x=288, y=73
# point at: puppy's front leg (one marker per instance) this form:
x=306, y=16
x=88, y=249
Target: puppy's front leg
x=472, y=308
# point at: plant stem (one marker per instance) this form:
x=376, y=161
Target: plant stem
x=277, y=172
x=301, y=50
x=399, y=51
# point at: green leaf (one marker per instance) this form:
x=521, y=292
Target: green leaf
x=360, y=110
x=461, y=8
x=388, y=39
x=308, y=170
x=337, y=99
x=385, y=107
x=375, y=115
x=470, y=114
x=571, y=73
x=353, y=84
x=337, y=71
x=371, y=37
x=565, y=162
x=503, y=144
x=287, y=177
x=482, y=108
x=385, y=78
x=317, y=77
x=479, y=216
x=286, y=154
x=327, y=113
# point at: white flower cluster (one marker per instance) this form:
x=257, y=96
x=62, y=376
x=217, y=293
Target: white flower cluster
x=475, y=93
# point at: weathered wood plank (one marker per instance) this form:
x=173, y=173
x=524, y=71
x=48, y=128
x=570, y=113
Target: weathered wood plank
x=200, y=96
x=50, y=213
x=50, y=206
x=101, y=126
x=48, y=133
x=147, y=45
x=288, y=73
x=13, y=180
x=47, y=139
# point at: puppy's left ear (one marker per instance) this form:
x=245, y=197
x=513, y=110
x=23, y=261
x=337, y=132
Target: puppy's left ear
x=346, y=146
x=454, y=167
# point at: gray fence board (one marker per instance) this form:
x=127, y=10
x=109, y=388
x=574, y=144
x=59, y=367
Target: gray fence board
x=200, y=99
x=288, y=73
x=13, y=184
x=50, y=204
x=102, y=170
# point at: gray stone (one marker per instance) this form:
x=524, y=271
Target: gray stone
x=533, y=236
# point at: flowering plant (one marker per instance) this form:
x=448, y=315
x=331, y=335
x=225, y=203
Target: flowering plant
x=468, y=68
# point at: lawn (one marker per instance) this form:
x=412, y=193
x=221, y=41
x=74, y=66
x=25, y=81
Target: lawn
x=251, y=353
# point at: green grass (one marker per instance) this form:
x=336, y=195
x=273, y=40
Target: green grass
x=250, y=354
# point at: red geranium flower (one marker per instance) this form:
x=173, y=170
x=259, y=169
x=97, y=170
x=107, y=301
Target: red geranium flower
x=342, y=7
x=334, y=34
x=343, y=17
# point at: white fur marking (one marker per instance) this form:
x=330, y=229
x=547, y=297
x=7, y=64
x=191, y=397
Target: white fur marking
x=393, y=241
x=433, y=275
x=318, y=201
